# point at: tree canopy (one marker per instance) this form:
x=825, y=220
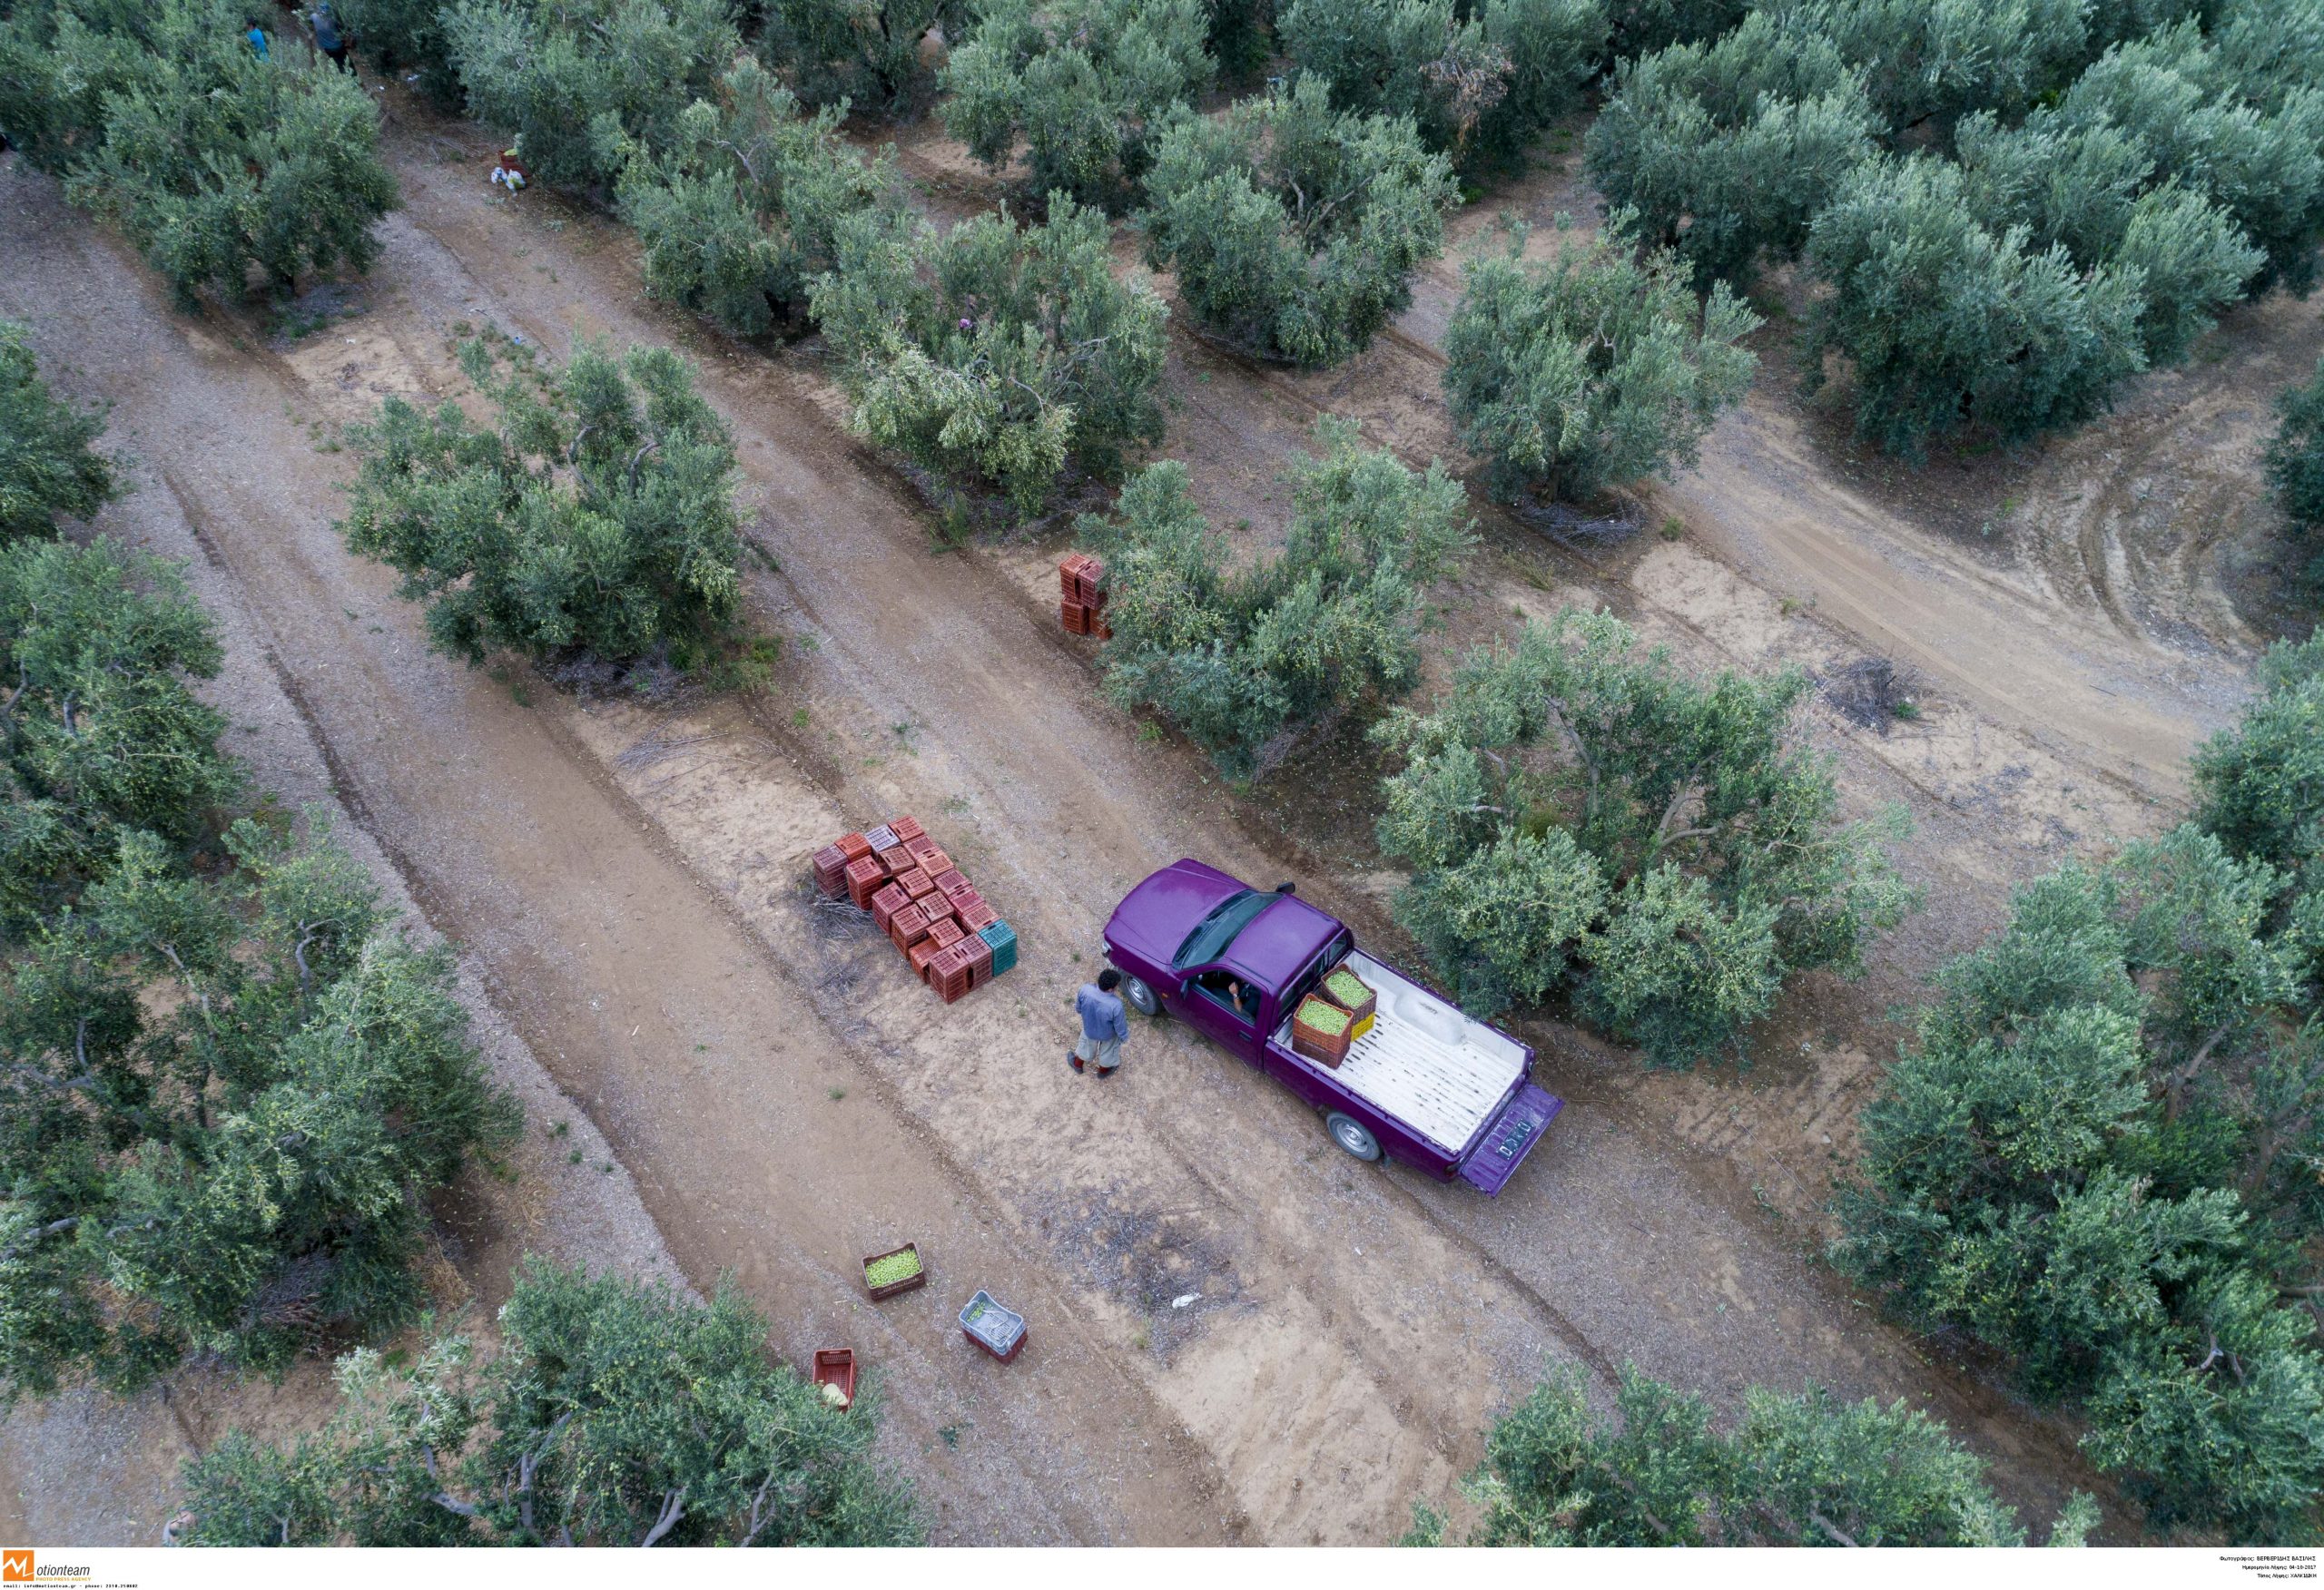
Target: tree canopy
x=2098, y=1156
x=215, y=163
x=1597, y=369
x=48, y=471
x=1245, y=658
x=1584, y=821
x=595, y=515
x=994, y=353
x=739, y=212
x=1293, y=230
x=617, y=1413
x=1799, y=1470
x=224, y=1091
x=1086, y=86
x=2295, y=466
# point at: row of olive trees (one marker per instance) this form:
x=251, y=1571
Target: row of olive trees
x=228, y=1084
x=614, y=1413
x=230, y=172
x=2013, y=208
x=2100, y=1155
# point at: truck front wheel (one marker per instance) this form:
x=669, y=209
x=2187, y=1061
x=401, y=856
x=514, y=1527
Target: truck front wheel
x=1352, y=1135
x=1141, y=998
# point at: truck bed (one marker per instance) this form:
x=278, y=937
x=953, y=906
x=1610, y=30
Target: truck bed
x=1423, y=1063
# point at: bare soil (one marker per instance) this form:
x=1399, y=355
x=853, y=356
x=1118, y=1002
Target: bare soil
x=627, y=877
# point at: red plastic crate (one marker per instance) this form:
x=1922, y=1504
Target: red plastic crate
x=948, y=973
x=886, y=903
x=1104, y=631
x=908, y=926
x=920, y=845
x=1068, y=574
x=974, y=914
x=916, y=882
x=854, y=846
x=980, y=959
x=863, y=877
x=881, y=838
x=951, y=881
x=830, y=870
x=1076, y=617
x=895, y=860
x=920, y=953
x=935, y=862
x=906, y=828
x=945, y=931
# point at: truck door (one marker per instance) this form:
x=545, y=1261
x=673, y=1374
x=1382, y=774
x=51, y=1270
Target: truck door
x=1226, y=1006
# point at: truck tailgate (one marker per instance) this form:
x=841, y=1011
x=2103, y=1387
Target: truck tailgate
x=1508, y=1137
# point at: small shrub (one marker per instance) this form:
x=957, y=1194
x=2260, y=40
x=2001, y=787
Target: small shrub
x=2296, y=467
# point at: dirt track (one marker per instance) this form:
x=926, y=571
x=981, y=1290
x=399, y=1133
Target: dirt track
x=627, y=878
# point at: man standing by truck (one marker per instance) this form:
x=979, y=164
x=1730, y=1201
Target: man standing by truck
x=1105, y=1023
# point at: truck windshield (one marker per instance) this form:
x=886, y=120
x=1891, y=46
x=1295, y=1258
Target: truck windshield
x=1214, y=933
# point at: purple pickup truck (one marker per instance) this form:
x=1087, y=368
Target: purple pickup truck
x=1426, y=1085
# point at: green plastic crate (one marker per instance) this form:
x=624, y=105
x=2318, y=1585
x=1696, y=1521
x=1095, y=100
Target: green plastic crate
x=1003, y=939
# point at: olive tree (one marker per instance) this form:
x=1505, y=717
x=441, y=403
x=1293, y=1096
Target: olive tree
x=230, y=173
x=48, y=471
x=1293, y=230
x=2263, y=164
x=582, y=86
x=1935, y=61
x=1791, y=1470
x=227, y=1099
x=2296, y=466
x=1593, y=371
x=1584, y=821
x=1086, y=86
x=1949, y=325
x=992, y=353
x=1245, y=659
x=103, y=737
x=597, y=515
x=741, y=209
x=1478, y=81
x=1726, y=150
x=2091, y=191
x=2098, y=1159
x=866, y=51
x=617, y=1413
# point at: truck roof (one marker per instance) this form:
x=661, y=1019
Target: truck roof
x=1281, y=940
x=1155, y=918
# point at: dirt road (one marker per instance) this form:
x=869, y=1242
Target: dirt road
x=629, y=878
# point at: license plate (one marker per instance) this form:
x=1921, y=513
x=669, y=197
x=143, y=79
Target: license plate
x=1512, y=1145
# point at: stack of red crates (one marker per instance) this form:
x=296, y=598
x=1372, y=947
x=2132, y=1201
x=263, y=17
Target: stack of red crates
x=1081, y=580
x=918, y=897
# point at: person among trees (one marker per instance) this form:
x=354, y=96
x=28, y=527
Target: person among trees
x=1105, y=1023
x=257, y=36
x=325, y=23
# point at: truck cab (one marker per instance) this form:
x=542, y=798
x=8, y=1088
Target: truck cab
x=1426, y=1085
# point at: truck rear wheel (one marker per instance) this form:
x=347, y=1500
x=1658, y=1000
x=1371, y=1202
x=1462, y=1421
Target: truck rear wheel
x=1352, y=1135
x=1141, y=998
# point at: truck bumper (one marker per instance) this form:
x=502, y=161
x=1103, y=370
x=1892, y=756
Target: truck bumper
x=1508, y=1137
